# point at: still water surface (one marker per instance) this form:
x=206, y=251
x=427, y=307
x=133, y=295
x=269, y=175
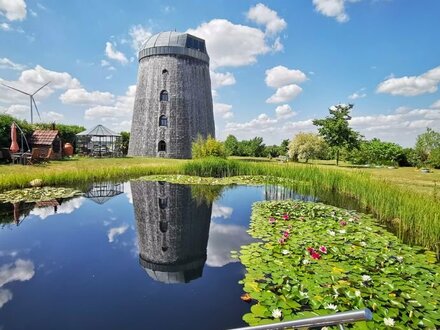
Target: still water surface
x=136, y=255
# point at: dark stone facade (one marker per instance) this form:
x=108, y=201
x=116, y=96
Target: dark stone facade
x=173, y=231
x=188, y=110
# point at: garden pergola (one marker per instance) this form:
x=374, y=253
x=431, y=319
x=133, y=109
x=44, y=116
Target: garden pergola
x=99, y=141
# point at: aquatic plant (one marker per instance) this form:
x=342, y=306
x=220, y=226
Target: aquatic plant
x=37, y=194
x=313, y=273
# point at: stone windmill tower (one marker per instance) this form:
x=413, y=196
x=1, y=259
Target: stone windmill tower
x=173, y=102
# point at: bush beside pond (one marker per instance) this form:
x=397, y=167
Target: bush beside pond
x=316, y=259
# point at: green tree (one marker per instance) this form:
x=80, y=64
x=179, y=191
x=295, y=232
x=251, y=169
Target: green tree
x=231, y=145
x=125, y=139
x=284, y=147
x=5, y=130
x=336, y=131
x=208, y=147
x=377, y=152
x=307, y=146
x=426, y=144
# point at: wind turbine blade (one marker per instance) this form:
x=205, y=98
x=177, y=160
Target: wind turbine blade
x=39, y=89
x=36, y=108
x=15, y=89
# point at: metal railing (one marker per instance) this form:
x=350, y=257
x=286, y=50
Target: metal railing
x=319, y=321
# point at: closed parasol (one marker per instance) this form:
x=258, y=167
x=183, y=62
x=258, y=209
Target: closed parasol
x=14, y=145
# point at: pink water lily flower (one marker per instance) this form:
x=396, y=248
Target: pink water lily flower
x=310, y=250
x=272, y=220
x=343, y=223
x=285, y=216
x=286, y=234
x=315, y=255
x=323, y=249
x=282, y=240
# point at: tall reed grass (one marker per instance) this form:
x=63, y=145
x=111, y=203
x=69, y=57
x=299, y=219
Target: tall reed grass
x=413, y=216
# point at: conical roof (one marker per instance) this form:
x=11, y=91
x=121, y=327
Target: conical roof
x=98, y=130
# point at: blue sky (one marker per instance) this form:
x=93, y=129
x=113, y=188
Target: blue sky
x=275, y=65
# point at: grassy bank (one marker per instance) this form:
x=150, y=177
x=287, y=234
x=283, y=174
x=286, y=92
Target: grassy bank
x=414, y=216
x=80, y=170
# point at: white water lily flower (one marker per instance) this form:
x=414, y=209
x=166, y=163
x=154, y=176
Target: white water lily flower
x=357, y=293
x=331, y=306
x=399, y=258
x=366, y=278
x=285, y=252
x=331, y=233
x=306, y=262
x=325, y=328
x=389, y=322
x=363, y=244
x=276, y=313
x=304, y=294
x=342, y=231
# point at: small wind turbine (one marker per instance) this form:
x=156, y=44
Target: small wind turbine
x=31, y=99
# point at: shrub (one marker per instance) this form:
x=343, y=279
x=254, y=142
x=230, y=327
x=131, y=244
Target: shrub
x=208, y=147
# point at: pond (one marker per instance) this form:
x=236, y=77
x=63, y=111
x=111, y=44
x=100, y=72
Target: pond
x=134, y=255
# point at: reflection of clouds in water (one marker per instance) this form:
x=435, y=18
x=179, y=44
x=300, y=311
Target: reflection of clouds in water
x=127, y=192
x=5, y=296
x=20, y=270
x=12, y=253
x=116, y=231
x=66, y=207
x=222, y=240
x=220, y=211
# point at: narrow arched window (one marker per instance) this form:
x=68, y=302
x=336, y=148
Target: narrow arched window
x=164, y=71
x=164, y=95
x=163, y=226
x=163, y=202
x=163, y=121
x=162, y=146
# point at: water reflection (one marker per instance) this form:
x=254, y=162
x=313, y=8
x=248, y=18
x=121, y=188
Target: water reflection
x=173, y=230
x=102, y=192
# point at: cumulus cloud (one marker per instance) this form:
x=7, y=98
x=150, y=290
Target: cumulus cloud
x=285, y=94
x=138, y=35
x=219, y=79
x=221, y=211
x=20, y=270
x=263, y=15
x=6, y=63
x=113, y=54
x=280, y=76
x=16, y=110
x=13, y=9
x=5, y=296
x=116, y=231
x=32, y=79
x=358, y=94
x=52, y=116
x=284, y=111
x=80, y=96
x=118, y=114
x=413, y=85
x=436, y=105
x=5, y=27
x=66, y=207
x=222, y=240
x=231, y=44
x=223, y=110
x=333, y=8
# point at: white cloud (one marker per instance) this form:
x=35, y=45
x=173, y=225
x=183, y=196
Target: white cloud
x=263, y=15
x=52, y=116
x=222, y=240
x=260, y=124
x=284, y=111
x=5, y=27
x=285, y=94
x=5, y=296
x=105, y=63
x=139, y=35
x=413, y=85
x=119, y=114
x=116, y=231
x=220, y=211
x=219, y=79
x=13, y=9
x=16, y=110
x=277, y=45
x=231, y=44
x=436, y=105
x=280, y=76
x=21, y=270
x=80, y=96
x=223, y=110
x=66, y=207
x=114, y=54
x=333, y=8
x=358, y=94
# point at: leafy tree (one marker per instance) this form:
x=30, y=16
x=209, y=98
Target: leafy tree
x=208, y=147
x=125, y=139
x=377, y=152
x=284, y=147
x=426, y=144
x=273, y=151
x=5, y=130
x=307, y=146
x=336, y=131
x=231, y=145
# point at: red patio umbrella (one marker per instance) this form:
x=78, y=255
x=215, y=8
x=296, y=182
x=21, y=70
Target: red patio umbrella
x=14, y=145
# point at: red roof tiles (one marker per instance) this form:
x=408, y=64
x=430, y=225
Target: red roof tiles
x=42, y=137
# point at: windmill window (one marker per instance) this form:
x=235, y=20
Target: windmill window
x=163, y=121
x=163, y=202
x=164, y=95
x=162, y=146
x=164, y=71
x=163, y=226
